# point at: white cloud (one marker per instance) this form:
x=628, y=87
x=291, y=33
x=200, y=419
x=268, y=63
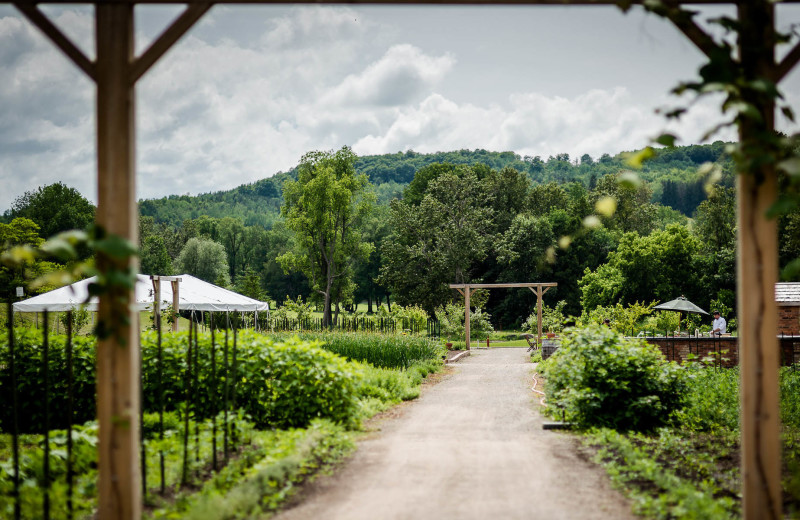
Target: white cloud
x=221, y=109
x=402, y=75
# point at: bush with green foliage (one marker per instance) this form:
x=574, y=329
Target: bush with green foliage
x=553, y=319
x=626, y=319
x=452, y=317
x=600, y=378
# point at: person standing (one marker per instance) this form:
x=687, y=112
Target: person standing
x=718, y=325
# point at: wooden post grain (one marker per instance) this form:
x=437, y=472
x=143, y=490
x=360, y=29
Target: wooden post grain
x=757, y=273
x=119, y=487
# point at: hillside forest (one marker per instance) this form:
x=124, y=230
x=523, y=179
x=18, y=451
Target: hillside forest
x=398, y=228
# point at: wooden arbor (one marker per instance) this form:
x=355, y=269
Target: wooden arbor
x=116, y=71
x=538, y=289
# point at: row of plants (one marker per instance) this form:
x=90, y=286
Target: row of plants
x=295, y=407
x=667, y=434
x=629, y=319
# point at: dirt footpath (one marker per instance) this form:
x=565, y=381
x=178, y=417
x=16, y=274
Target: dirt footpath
x=472, y=447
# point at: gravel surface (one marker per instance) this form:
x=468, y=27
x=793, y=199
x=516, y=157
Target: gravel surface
x=471, y=447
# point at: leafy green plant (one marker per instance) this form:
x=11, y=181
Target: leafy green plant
x=452, y=317
x=602, y=379
x=553, y=319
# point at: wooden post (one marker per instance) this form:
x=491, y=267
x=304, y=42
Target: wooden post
x=156, y=301
x=175, y=302
x=757, y=273
x=539, y=314
x=467, y=294
x=119, y=488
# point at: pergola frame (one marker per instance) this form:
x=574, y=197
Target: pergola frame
x=467, y=289
x=116, y=71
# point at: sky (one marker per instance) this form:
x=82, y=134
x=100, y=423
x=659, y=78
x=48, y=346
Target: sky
x=250, y=89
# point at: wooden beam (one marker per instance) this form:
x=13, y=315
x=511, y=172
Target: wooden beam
x=167, y=39
x=119, y=481
x=757, y=272
x=684, y=21
x=37, y=18
x=612, y=3
x=502, y=285
x=156, y=301
x=787, y=64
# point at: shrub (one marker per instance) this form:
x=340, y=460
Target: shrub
x=452, y=317
x=552, y=319
x=602, y=379
x=286, y=383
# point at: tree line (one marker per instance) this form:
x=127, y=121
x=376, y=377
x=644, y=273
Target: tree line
x=328, y=234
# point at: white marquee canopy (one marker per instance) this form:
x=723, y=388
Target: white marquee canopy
x=194, y=295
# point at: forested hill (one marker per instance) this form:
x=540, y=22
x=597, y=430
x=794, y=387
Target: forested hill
x=672, y=172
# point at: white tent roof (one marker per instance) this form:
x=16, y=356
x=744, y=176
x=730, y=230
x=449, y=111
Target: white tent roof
x=194, y=294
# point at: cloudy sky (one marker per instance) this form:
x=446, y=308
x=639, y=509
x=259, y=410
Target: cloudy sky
x=252, y=88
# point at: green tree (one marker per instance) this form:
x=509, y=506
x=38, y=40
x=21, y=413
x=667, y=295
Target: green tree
x=231, y=233
x=54, y=208
x=634, y=210
x=154, y=257
x=324, y=208
x=715, y=219
x=417, y=188
x=204, y=259
x=249, y=284
x=653, y=267
x=438, y=242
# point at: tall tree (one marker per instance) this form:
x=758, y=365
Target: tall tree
x=231, y=233
x=438, y=242
x=324, y=209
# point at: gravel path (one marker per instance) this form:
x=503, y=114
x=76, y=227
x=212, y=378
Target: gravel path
x=471, y=446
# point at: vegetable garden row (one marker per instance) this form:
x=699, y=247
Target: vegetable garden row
x=225, y=414
x=667, y=434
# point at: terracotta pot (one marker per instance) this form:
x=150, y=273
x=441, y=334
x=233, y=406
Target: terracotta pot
x=449, y=346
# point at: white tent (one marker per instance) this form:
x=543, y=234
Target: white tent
x=194, y=295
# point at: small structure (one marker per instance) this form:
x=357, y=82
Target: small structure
x=538, y=289
x=194, y=295
x=787, y=298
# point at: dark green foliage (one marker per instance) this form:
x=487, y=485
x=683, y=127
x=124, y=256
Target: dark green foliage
x=283, y=382
x=601, y=379
x=54, y=208
x=30, y=388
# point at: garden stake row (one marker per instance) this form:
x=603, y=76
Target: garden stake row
x=160, y=403
x=188, y=384
x=70, y=405
x=213, y=402
x=15, y=426
x=46, y=391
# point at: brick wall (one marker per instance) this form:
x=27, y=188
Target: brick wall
x=789, y=320
x=724, y=350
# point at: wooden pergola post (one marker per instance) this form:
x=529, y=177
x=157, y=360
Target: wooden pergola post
x=119, y=486
x=757, y=272
x=175, y=281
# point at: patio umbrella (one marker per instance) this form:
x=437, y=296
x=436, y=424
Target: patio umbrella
x=680, y=304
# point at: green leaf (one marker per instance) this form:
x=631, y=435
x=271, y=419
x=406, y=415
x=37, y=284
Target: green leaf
x=666, y=140
x=635, y=160
x=629, y=179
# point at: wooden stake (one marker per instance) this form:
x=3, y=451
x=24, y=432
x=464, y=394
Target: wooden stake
x=119, y=487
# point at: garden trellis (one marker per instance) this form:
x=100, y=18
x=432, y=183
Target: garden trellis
x=467, y=289
x=116, y=71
